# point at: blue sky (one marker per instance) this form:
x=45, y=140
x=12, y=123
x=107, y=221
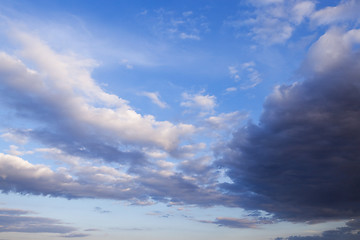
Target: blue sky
x=180, y=119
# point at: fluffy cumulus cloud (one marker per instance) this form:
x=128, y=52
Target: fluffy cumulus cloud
x=301, y=161
x=74, y=111
x=86, y=130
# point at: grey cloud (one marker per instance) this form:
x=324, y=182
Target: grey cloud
x=301, y=162
x=13, y=221
x=350, y=232
x=100, y=210
x=18, y=175
x=233, y=222
x=12, y=212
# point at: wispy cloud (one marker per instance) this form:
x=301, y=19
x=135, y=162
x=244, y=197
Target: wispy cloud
x=233, y=222
x=155, y=98
x=345, y=11
x=246, y=74
x=17, y=220
x=273, y=22
x=179, y=25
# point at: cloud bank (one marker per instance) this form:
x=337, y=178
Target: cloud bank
x=301, y=162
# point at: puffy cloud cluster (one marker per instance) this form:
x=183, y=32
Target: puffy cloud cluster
x=75, y=112
x=152, y=182
x=301, y=162
x=86, y=130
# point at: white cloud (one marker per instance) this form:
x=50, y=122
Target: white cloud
x=83, y=103
x=126, y=63
x=274, y=21
x=186, y=25
x=333, y=47
x=346, y=10
x=15, y=137
x=14, y=150
x=155, y=98
x=231, y=89
x=189, y=36
x=234, y=72
x=226, y=120
x=204, y=103
x=247, y=74
x=302, y=10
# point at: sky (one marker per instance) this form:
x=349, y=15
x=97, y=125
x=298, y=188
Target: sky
x=204, y=119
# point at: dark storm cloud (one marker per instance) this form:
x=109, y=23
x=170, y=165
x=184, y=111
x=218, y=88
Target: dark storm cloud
x=302, y=161
x=350, y=232
x=12, y=220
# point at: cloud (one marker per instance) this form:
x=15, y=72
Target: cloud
x=21, y=176
x=345, y=11
x=320, y=58
x=189, y=36
x=174, y=25
x=155, y=98
x=11, y=135
x=86, y=117
x=75, y=235
x=350, y=232
x=233, y=222
x=225, y=120
x=100, y=210
x=247, y=74
x=142, y=185
x=273, y=21
x=13, y=220
x=231, y=89
x=126, y=63
x=203, y=103
x=300, y=162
